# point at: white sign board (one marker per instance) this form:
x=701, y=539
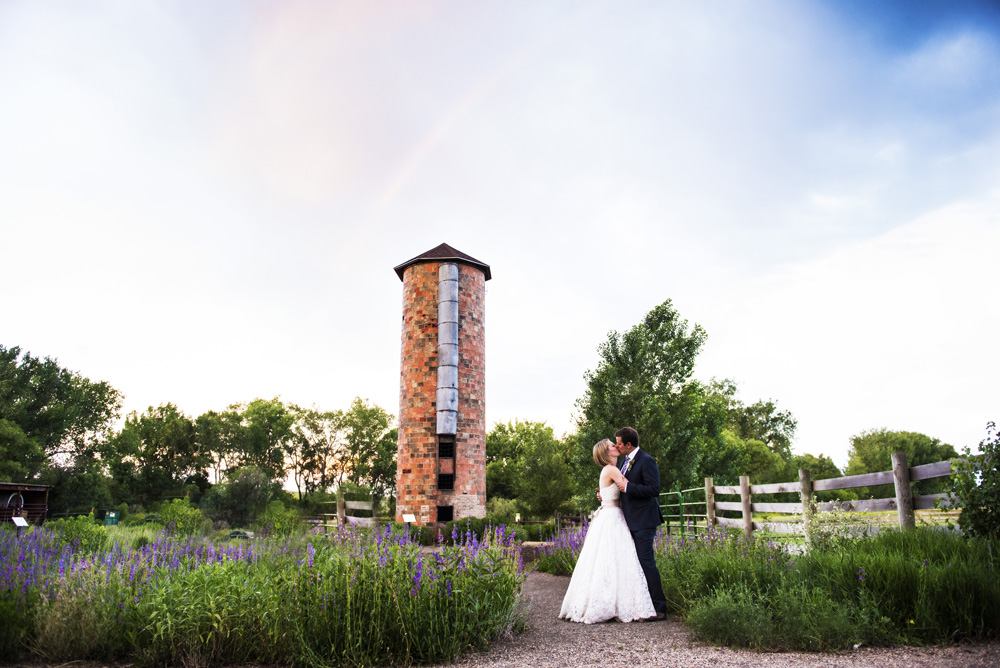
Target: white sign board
x=409, y=517
x=20, y=521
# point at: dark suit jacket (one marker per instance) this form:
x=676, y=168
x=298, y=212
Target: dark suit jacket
x=641, y=501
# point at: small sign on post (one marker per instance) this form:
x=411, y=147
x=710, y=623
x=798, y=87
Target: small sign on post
x=20, y=521
x=409, y=518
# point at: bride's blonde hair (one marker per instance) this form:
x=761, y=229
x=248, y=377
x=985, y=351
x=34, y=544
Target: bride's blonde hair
x=601, y=455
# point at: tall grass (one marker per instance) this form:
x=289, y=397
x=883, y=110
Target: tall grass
x=356, y=598
x=914, y=587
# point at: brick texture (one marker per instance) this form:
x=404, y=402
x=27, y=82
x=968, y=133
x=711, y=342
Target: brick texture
x=417, y=460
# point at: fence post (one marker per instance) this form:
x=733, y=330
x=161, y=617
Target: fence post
x=805, y=481
x=745, y=499
x=904, y=495
x=709, y=503
x=680, y=512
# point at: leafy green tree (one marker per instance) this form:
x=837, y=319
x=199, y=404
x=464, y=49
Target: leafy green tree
x=78, y=488
x=762, y=464
x=48, y=408
x=976, y=487
x=380, y=474
x=643, y=380
x=218, y=436
x=155, y=454
x=21, y=457
x=261, y=438
x=241, y=498
x=504, y=449
x=762, y=421
x=820, y=468
x=871, y=451
x=371, y=446
x=317, y=451
x=542, y=483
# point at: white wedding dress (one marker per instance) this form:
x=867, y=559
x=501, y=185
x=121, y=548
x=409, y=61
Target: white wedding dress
x=607, y=582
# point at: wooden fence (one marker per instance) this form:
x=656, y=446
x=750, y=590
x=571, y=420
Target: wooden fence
x=681, y=508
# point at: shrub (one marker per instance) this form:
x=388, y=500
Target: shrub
x=181, y=518
x=976, y=487
x=277, y=521
x=731, y=618
x=501, y=509
x=81, y=532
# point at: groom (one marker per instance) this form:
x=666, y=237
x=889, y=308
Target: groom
x=641, y=506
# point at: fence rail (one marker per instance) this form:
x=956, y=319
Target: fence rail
x=675, y=504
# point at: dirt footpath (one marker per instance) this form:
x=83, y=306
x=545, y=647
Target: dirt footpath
x=554, y=642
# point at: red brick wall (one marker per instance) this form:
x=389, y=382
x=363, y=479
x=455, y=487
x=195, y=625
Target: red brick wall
x=417, y=466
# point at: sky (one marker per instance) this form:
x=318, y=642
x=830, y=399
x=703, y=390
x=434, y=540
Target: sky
x=202, y=203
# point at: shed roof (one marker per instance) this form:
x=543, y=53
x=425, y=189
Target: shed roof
x=441, y=253
x=23, y=487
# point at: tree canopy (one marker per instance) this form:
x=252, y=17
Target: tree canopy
x=871, y=451
x=526, y=462
x=49, y=413
x=643, y=380
x=155, y=454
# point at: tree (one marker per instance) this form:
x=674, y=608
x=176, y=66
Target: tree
x=241, y=498
x=528, y=463
x=218, y=436
x=820, y=468
x=155, y=454
x=381, y=472
x=261, y=437
x=872, y=450
x=21, y=457
x=371, y=447
x=763, y=422
x=643, y=380
x=46, y=408
x=317, y=451
x=78, y=487
x=504, y=448
x=544, y=485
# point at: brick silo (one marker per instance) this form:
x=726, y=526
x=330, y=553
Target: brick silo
x=441, y=462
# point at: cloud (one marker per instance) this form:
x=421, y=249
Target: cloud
x=886, y=332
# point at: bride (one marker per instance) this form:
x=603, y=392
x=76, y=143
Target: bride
x=607, y=582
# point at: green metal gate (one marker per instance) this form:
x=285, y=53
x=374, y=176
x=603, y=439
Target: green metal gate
x=684, y=511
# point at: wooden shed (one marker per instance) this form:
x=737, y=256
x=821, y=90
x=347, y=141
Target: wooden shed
x=20, y=499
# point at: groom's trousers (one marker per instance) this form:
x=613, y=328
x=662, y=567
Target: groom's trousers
x=643, y=539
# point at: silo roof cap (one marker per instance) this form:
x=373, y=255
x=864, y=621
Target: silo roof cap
x=443, y=253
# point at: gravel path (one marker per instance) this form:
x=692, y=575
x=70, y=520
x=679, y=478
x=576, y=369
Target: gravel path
x=554, y=642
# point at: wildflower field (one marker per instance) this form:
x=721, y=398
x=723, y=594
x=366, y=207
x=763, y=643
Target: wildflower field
x=356, y=598
x=915, y=587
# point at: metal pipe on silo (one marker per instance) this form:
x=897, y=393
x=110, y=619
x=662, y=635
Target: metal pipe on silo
x=447, y=352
